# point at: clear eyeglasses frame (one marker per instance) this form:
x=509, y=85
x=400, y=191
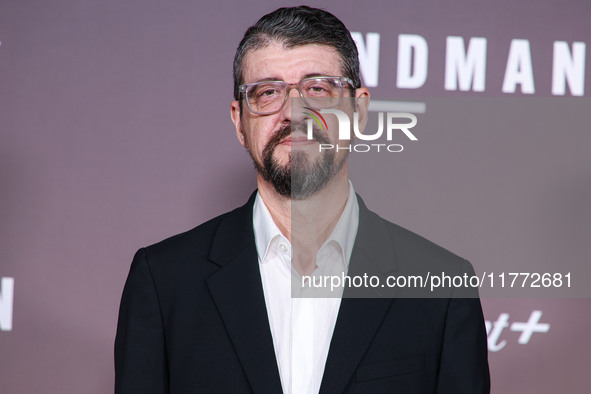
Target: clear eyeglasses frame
x=269, y=97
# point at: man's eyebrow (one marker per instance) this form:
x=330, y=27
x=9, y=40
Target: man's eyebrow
x=269, y=79
x=313, y=75
x=274, y=79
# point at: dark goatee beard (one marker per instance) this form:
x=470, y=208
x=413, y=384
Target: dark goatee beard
x=299, y=178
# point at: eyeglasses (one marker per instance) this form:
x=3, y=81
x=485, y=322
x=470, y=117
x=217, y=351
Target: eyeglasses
x=268, y=97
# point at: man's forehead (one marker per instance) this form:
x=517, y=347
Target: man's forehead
x=277, y=61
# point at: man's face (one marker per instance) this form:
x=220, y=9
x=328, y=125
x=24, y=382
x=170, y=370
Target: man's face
x=278, y=143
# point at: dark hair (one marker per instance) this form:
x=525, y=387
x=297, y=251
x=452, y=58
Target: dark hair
x=299, y=26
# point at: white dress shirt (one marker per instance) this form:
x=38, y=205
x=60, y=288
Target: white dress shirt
x=301, y=328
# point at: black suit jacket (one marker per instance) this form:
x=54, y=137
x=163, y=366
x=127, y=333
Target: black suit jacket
x=193, y=319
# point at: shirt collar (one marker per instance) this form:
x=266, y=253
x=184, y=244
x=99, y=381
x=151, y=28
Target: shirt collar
x=265, y=229
x=344, y=233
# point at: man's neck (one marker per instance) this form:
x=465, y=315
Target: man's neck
x=307, y=223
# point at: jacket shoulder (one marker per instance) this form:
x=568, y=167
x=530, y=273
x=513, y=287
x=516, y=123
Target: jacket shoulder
x=194, y=239
x=418, y=256
x=410, y=243
x=230, y=228
x=415, y=253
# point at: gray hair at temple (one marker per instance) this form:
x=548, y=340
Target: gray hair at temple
x=297, y=26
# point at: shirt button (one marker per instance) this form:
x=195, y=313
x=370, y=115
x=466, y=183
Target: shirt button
x=283, y=247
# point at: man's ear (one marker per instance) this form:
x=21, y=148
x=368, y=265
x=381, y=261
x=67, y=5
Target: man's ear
x=362, y=106
x=237, y=120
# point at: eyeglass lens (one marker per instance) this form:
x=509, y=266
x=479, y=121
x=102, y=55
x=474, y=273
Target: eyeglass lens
x=269, y=97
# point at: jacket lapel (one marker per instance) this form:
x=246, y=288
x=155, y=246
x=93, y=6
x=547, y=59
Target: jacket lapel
x=357, y=323
x=238, y=294
x=360, y=315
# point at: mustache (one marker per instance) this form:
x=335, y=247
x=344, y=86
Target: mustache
x=287, y=130
x=317, y=134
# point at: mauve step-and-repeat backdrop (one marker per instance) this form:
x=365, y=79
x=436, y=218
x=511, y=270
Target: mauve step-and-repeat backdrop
x=115, y=133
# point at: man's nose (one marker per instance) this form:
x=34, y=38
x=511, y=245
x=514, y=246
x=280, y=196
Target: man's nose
x=292, y=110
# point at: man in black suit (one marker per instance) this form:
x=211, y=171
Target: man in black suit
x=211, y=310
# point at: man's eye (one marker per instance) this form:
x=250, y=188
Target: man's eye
x=318, y=90
x=266, y=92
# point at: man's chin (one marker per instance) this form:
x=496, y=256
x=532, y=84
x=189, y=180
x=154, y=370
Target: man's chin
x=282, y=161
x=297, y=172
